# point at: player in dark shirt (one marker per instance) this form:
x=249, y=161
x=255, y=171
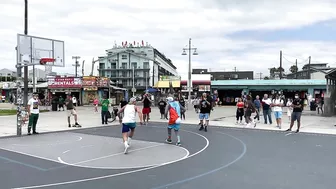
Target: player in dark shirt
x=182, y=103
x=123, y=103
x=162, y=105
x=296, y=115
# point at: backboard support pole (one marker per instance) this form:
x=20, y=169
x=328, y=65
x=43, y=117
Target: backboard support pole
x=19, y=78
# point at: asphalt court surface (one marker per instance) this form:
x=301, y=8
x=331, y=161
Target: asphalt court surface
x=220, y=158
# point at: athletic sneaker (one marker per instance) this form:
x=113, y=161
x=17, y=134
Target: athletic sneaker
x=178, y=143
x=168, y=140
x=126, y=148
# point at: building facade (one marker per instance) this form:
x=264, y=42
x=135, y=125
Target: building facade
x=312, y=71
x=148, y=63
x=228, y=90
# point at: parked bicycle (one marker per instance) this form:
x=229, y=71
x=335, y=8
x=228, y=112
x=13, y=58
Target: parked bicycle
x=112, y=116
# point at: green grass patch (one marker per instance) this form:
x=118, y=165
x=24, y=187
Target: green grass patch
x=6, y=112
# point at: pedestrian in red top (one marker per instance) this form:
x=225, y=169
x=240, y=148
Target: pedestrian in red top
x=240, y=111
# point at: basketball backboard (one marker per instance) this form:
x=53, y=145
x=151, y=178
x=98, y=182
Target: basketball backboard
x=31, y=49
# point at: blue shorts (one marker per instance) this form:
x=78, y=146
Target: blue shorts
x=176, y=127
x=126, y=127
x=204, y=116
x=278, y=114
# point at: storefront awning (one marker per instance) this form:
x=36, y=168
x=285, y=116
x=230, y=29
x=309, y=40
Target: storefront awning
x=165, y=84
x=118, y=88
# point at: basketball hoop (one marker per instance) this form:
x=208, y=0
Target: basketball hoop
x=44, y=61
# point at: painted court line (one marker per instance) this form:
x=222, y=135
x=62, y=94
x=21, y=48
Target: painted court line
x=211, y=171
x=103, y=157
x=127, y=172
x=131, y=167
x=22, y=163
x=50, y=144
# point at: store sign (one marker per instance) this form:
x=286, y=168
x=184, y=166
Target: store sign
x=89, y=81
x=93, y=88
x=169, y=78
x=204, y=88
x=64, y=82
x=103, y=82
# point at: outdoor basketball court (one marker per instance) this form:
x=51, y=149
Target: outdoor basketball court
x=220, y=158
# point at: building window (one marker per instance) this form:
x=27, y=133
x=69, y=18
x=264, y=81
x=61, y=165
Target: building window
x=124, y=57
x=146, y=65
x=113, y=65
x=124, y=65
x=134, y=65
x=124, y=74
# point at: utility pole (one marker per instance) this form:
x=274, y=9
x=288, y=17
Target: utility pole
x=280, y=64
x=133, y=88
x=309, y=62
x=260, y=75
x=146, y=81
x=235, y=69
x=296, y=70
x=76, y=63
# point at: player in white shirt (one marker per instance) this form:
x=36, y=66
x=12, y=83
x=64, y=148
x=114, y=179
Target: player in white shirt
x=277, y=105
x=129, y=121
x=33, y=112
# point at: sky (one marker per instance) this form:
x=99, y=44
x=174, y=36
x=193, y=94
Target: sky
x=228, y=34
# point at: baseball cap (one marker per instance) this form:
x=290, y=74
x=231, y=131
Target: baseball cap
x=170, y=99
x=132, y=100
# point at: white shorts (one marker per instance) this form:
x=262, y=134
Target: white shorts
x=71, y=112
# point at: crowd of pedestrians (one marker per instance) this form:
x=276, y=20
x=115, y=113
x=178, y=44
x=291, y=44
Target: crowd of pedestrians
x=275, y=105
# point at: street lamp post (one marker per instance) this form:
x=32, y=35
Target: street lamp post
x=189, y=49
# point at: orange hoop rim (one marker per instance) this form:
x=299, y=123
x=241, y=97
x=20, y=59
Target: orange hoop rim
x=47, y=60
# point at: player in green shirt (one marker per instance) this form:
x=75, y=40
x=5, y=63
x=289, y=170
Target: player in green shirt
x=104, y=110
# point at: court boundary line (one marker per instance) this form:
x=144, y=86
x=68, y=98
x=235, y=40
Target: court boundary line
x=127, y=172
x=242, y=154
x=187, y=153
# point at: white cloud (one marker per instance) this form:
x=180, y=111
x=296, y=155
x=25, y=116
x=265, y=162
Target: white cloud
x=89, y=27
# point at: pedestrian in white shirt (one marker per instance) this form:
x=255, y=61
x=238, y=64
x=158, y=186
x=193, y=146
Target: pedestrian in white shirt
x=33, y=112
x=266, y=106
x=277, y=105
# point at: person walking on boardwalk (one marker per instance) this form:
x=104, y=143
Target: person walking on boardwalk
x=296, y=114
x=162, y=105
x=71, y=111
x=104, y=109
x=33, y=112
x=129, y=122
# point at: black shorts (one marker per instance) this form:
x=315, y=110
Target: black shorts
x=296, y=116
x=248, y=113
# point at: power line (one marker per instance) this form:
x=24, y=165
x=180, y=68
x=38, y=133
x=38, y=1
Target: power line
x=260, y=75
x=302, y=59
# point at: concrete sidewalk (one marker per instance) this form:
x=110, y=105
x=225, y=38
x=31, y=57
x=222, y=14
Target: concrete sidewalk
x=225, y=117
x=221, y=116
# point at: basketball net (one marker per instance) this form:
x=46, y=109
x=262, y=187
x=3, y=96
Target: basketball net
x=48, y=68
